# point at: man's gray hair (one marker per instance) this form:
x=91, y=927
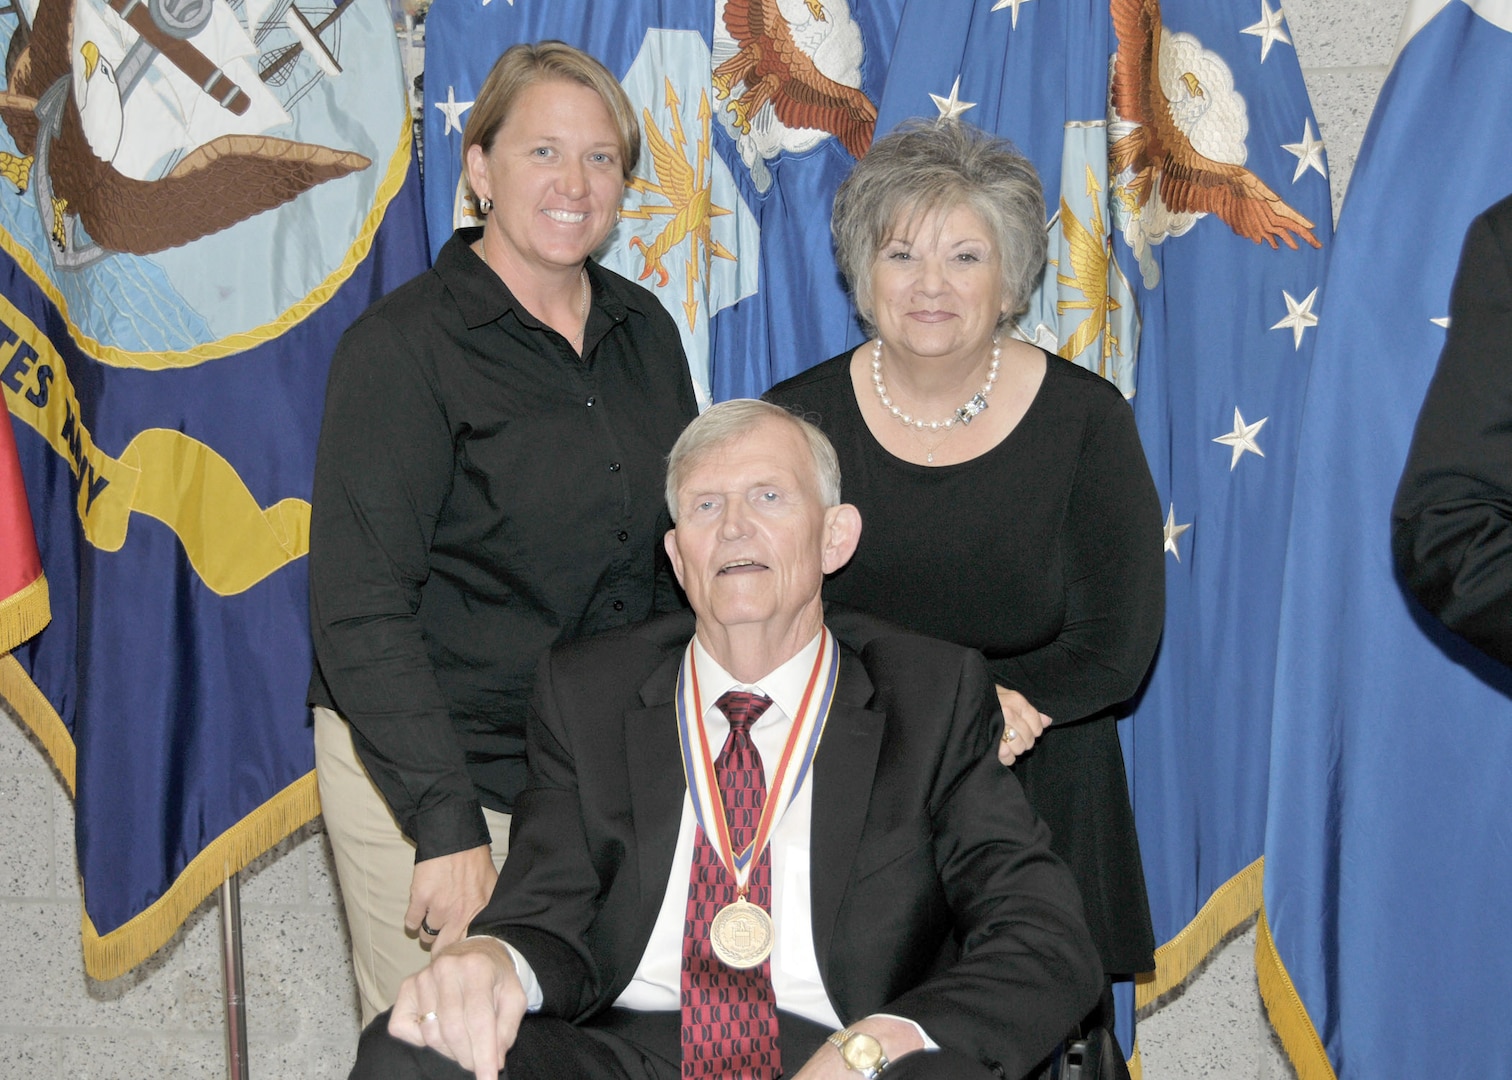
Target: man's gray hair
x=728, y=421
x=925, y=166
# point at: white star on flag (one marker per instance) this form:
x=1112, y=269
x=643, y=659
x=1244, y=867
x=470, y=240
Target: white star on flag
x=953, y=106
x=1298, y=316
x=1173, y=532
x=1309, y=152
x=1268, y=29
x=1444, y=322
x=1014, y=4
x=1242, y=438
x=453, y=109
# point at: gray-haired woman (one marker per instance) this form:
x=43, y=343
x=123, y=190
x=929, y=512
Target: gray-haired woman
x=1005, y=495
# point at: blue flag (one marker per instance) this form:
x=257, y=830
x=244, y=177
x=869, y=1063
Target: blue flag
x=1221, y=206
x=1387, y=885
x=177, y=266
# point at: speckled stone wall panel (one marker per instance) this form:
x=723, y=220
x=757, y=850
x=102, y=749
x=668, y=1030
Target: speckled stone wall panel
x=26, y=857
x=166, y=1017
x=1214, y=1027
x=1344, y=33
x=1343, y=100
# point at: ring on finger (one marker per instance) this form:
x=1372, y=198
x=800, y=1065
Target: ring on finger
x=425, y=1017
x=1009, y=734
x=425, y=928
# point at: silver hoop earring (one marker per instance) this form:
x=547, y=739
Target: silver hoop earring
x=485, y=206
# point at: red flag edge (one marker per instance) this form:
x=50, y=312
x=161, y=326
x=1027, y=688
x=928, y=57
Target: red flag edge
x=23, y=613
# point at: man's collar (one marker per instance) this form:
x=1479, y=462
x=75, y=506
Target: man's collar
x=784, y=686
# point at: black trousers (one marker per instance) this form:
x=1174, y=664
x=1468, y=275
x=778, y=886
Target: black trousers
x=621, y=1044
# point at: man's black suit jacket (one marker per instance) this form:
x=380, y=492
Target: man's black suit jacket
x=1452, y=521
x=935, y=896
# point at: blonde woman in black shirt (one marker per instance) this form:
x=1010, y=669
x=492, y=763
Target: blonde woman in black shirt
x=488, y=484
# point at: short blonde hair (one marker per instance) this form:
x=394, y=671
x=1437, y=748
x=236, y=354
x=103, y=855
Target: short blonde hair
x=728, y=421
x=524, y=65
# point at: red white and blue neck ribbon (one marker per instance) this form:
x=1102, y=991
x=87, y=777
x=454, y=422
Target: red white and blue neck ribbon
x=792, y=768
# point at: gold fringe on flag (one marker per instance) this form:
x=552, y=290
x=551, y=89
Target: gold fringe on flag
x=1287, y=1013
x=128, y=945
x=23, y=613
x=1233, y=902
x=113, y=954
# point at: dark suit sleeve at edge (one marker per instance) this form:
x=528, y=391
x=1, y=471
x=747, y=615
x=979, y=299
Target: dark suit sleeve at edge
x=1452, y=519
x=1028, y=970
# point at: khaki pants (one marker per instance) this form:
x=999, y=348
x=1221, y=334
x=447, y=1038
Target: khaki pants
x=374, y=864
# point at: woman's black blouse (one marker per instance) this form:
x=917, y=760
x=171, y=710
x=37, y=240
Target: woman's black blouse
x=481, y=493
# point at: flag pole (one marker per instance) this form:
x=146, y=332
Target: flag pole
x=231, y=969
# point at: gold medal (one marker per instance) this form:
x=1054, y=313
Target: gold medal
x=741, y=934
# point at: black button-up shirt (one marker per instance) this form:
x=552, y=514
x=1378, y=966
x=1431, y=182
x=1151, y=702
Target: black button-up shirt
x=481, y=493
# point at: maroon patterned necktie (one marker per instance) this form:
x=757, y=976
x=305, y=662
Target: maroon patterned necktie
x=729, y=1017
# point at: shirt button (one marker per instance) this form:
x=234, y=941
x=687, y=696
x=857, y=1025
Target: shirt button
x=619, y=605
x=614, y=466
x=591, y=400
x=623, y=536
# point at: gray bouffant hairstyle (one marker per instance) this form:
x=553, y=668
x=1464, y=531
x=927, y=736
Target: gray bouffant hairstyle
x=728, y=421
x=927, y=165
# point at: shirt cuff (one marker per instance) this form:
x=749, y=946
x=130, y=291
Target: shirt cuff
x=534, y=998
x=453, y=825
x=929, y=1044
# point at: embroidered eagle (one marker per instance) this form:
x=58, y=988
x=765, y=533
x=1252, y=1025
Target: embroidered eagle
x=774, y=69
x=218, y=184
x=1161, y=154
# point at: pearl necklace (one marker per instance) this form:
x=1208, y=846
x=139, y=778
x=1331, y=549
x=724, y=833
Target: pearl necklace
x=918, y=425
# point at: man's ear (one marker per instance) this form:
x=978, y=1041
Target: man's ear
x=670, y=543
x=842, y=532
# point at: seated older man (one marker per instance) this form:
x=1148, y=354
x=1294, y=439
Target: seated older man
x=746, y=851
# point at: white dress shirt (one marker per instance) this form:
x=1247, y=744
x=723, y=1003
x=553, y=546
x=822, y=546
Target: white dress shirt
x=657, y=983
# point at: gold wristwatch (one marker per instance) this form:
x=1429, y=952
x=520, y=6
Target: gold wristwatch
x=860, y=1052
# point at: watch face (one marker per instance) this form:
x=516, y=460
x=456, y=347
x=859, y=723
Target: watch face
x=861, y=1051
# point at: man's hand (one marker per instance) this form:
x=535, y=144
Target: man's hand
x=446, y=892
x=466, y=1004
x=898, y=1037
x=1022, y=724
